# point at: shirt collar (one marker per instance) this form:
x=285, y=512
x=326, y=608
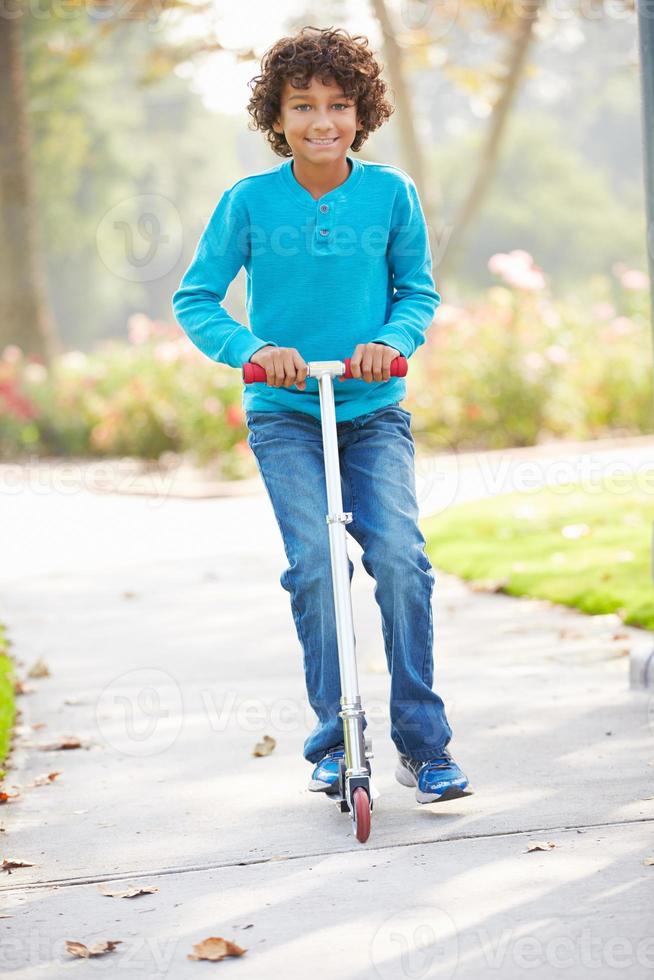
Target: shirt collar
x=340, y=193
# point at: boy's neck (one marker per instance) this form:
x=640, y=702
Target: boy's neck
x=320, y=179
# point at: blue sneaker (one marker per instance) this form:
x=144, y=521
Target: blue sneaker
x=324, y=778
x=435, y=779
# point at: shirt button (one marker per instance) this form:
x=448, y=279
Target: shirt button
x=324, y=231
x=324, y=208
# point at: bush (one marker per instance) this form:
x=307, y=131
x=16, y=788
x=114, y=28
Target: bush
x=516, y=368
x=511, y=370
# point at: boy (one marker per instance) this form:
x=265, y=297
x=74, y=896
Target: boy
x=338, y=264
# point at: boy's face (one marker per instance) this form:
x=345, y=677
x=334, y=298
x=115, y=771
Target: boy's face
x=319, y=123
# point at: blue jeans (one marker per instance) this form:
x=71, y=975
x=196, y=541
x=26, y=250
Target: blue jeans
x=377, y=455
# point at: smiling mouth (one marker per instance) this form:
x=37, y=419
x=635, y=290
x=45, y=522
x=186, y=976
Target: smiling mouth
x=322, y=142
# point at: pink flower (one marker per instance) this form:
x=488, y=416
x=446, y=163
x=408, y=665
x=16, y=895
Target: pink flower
x=603, y=311
x=622, y=325
x=557, y=354
x=242, y=448
x=634, y=279
x=534, y=362
x=12, y=354
x=234, y=416
x=449, y=315
x=211, y=405
x=517, y=269
x=139, y=328
x=15, y=403
x=166, y=352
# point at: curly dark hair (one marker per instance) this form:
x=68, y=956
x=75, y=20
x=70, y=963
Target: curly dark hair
x=327, y=54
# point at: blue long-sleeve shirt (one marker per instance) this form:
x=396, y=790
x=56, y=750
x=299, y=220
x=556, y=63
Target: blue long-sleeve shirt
x=323, y=275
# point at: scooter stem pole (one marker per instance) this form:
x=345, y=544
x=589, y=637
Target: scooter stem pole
x=351, y=710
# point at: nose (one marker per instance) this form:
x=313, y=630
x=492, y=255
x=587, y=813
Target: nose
x=322, y=123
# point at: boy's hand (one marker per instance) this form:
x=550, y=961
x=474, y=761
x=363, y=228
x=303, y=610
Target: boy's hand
x=284, y=366
x=372, y=362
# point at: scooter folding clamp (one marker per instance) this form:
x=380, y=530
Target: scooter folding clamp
x=339, y=518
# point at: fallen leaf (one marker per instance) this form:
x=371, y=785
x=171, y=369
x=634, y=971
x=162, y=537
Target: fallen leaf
x=39, y=669
x=620, y=636
x=264, y=747
x=540, y=845
x=648, y=861
x=7, y=796
x=39, y=724
x=79, y=949
x=67, y=742
x=129, y=595
x=20, y=687
x=215, y=948
x=131, y=892
x=569, y=634
x=489, y=585
x=49, y=777
x=8, y=864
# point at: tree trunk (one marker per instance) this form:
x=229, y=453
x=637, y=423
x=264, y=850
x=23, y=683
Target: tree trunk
x=411, y=151
x=489, y=156
x=25, y=317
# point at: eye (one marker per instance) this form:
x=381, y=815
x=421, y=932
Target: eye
x=305, y=105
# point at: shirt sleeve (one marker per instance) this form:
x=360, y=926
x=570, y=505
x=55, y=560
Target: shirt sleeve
x=197, y=303
x=415, y=299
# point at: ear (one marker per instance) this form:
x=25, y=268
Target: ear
x=277, y=126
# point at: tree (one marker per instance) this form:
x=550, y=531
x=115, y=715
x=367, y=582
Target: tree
x=25, y=314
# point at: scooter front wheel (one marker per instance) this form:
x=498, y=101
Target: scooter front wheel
x=361, y=814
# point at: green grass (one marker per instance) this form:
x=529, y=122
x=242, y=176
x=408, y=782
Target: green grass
x=517, y=540
x=7, y=702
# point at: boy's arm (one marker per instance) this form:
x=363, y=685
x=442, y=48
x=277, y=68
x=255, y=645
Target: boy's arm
x=219, y=254
x=415, y=299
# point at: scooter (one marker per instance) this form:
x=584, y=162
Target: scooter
x=356, y=791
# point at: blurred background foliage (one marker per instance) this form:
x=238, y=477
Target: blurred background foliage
x=524, y=138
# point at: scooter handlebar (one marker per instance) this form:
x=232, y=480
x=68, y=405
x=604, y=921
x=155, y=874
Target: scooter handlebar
x=254, y=372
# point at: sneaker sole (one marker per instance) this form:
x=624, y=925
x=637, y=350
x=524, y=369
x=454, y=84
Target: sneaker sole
x=317, y=786
x=407, y=778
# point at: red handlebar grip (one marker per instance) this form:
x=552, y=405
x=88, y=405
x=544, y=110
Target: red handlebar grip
x=254, y=372
x=399, y=367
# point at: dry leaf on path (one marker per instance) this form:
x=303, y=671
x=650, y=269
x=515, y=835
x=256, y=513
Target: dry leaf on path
x=264, y=747
x=79, y=949
x=489, y=585
x=8, y=796
x=48, y=777
x=130, y=892
x=39, y=669
x=8, y=864
x=67, y=742
x=648, y=861
x=20, y=687
x=215, y=948
x=540, y=845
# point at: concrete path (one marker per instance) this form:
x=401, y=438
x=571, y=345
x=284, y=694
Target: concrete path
x=172, y=652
